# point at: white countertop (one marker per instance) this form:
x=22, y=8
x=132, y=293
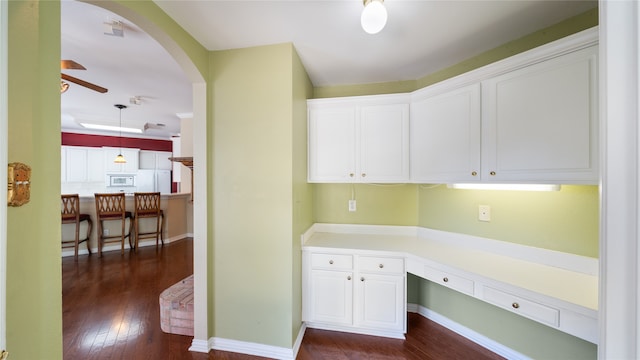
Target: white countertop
x=575, y=287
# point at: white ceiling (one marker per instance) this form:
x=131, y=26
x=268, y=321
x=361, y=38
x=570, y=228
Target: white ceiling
x=421, y=37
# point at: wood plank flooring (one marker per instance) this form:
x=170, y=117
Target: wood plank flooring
x=111, y=311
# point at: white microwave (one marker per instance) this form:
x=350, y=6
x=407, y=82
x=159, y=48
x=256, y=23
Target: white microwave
x=121, y=180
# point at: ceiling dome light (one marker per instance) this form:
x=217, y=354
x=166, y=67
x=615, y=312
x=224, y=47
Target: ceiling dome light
x=374, y=16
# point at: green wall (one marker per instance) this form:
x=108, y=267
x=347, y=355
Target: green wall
x=34, y=282
x=302, y=191
x=565, y=221
x=260, y=202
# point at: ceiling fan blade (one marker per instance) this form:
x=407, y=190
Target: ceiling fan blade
x=86, y=84
x=71, y=65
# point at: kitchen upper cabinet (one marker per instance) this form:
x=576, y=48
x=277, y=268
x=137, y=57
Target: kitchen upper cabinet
x=130, y=167
x=445, y=135
x=82, y=164
x=154, y=160
x=540, y=122
x=363, y=139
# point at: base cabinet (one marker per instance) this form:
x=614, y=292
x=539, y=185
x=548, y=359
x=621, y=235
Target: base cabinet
x=355, y=293
x=332, y=296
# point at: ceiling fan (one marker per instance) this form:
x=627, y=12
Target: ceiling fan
x=72, y=65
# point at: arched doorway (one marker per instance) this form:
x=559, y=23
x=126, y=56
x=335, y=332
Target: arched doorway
x=159, y=30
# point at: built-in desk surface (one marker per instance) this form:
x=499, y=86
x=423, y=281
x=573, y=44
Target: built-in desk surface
x=565, y=281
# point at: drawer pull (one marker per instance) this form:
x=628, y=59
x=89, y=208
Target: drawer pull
x=492, y=173
x=362, y=279
x=381, y=266
x=445, y=279
x=330, y=262
x=474, y=173
x=348, y=277
x=515, y=305
x=351, y=174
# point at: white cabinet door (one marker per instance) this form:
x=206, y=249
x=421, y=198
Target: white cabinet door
x=384, y=143
x=380, y=302
x=95, y=165
x=76, y=164
x=331, y=297
x=63, y=164
x=162, y=160
x=540, y=122
x=147, y=160
x=331, y=144
x=445, y=136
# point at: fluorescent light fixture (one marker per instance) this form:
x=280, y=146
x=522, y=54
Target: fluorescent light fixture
x=111, y=128
x=516, y=187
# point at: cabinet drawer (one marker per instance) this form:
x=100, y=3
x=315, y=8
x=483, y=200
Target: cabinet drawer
x=524, y=307
x=382, y=265
x=455, y=282
x=332, y=261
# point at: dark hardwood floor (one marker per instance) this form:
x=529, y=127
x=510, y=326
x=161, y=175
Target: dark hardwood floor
x=111, y=311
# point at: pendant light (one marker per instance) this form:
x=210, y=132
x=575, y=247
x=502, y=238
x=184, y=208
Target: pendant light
x=374, y=16
x=120, y=159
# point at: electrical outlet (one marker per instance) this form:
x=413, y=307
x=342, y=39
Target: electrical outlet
x=352, y=205
x=484, y=213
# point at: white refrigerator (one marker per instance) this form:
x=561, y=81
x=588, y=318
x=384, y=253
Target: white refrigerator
x=154, y=180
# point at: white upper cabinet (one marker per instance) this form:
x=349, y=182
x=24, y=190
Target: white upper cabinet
x=445, y=136
x=82, y=164
x=359, y=139
x=154, y=160
x=540, y=122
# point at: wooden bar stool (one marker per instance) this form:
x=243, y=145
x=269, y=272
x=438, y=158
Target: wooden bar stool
x=147, y=205
x=70, y=211
x=111, y=207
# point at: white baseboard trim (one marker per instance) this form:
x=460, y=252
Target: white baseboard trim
x=249, y=348
x=200, y=346
x=464, y=331
x=114, y=247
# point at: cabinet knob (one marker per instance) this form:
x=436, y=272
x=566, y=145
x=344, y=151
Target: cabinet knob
x=474, y=173
x=362, y=279
x=381, y=266
x=364, y=175
x=445, y=279
x=515, y=305
x=330, y=262
x=492, y=173
x=348, y=277
x=351, y=174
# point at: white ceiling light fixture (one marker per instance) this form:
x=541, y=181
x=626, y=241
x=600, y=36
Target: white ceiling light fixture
x=374, y=16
